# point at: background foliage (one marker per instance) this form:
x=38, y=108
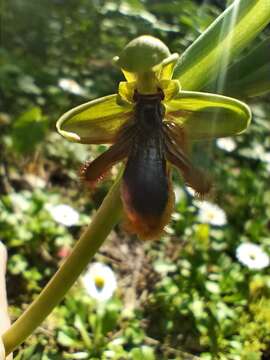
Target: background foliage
x=186, y=293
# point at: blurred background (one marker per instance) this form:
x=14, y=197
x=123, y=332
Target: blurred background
x=200, y=291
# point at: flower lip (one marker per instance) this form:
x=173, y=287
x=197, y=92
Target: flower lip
x=187, y=116
x=142, y=54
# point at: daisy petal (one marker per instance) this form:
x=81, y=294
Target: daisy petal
x=208, y=116
x=212, y=214
x=95, y=122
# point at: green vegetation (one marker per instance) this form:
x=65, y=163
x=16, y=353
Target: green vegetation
x=195, y=292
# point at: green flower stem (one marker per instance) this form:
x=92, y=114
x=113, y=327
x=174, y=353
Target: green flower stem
x=106, y=217
x=146, y=82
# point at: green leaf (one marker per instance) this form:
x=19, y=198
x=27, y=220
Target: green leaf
x=95, y=122
x=208, y=116
x=250, y=76
x=78, y=323
x=110, y=317
x=29, y=130
x=226, y=37
x=66, y=340
x=27, y=353
x=143, y=353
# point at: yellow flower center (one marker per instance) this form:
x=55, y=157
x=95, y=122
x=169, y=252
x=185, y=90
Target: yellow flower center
x=99, y=282
x=211, y=215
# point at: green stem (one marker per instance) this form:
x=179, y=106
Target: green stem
x=106, y=217
x=147, y=83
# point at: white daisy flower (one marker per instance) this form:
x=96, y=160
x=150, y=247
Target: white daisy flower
x=252, y=256
x=71, y=86
x=227, y=144
x=211, y=214
x=64, y=214
x=99, y=281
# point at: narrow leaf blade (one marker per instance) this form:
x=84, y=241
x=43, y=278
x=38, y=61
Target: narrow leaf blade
x=226, y=37
x=250, y=75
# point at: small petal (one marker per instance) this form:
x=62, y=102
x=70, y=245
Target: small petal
x=130, y=77
x=126, y=91
x=170, y=89
x=64, y=252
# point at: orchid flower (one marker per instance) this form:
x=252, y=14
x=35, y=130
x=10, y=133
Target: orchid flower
x=151, y=123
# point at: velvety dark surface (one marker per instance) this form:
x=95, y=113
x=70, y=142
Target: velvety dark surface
x=145, y=174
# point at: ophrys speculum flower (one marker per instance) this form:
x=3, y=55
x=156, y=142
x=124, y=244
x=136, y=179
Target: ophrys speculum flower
x=151, y=123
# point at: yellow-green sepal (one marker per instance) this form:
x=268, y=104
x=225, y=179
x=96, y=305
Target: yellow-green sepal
x=95, y=122
x=170, y=89
x=126, y=92
x=207, y=116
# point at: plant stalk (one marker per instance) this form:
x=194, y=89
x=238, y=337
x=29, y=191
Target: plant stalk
x=106, y=217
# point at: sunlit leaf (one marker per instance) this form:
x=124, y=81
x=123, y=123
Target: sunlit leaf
x=250, y=76
x=94, y=122
x=207, y=116
x=226, y=37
